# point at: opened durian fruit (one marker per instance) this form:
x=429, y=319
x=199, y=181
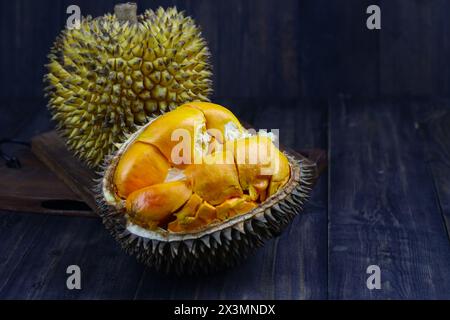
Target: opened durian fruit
x=193, y=190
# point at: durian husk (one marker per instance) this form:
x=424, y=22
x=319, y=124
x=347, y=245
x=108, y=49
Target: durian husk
x=217, y=246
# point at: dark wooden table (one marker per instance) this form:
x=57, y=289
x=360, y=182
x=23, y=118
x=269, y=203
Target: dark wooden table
x=385, y=200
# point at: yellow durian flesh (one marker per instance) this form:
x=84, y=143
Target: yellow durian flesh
x=217, y=118
x=141, y=166
x=215, y=181
x=225, y=183
x=152, y=205
x=260, y=165
x=168, y=130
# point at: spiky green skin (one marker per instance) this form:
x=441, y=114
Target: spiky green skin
x=218, y=246
x=108, y=77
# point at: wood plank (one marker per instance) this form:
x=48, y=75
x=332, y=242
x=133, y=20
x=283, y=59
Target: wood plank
x=350, y=51
x=414, y=33
x=50, y=148
x=291, y=266
x=36, y=263
x=17, y=234
x=382, y=206
x=34, y=188
x=302, y=252
x=436, y=128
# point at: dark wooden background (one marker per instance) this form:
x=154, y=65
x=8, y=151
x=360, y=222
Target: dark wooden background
x=277, y=64
x=267, y=49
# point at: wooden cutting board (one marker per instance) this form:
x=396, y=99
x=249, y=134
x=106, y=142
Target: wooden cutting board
x=34, y=188
x=51, y=150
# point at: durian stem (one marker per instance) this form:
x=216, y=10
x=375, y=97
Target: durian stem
x=126, y=12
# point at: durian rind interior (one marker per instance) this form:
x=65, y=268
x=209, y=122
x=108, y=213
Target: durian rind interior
x=108, y=76
x=221, y=170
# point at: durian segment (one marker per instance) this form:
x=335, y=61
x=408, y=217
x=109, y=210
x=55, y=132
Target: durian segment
x=176, y=132
x=281, y=174
x=207, y=213
x=190, y=208
x=218, y=119
x=142, y=165
x=260, y=165
x=233, y=207
x=107, y=77
x=216, y=178
x=195, y=215
x=151, y=206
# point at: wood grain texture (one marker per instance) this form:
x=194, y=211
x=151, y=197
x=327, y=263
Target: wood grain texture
x=434, y=122
x=382, y=206
x=17, y=234
x=36, y=265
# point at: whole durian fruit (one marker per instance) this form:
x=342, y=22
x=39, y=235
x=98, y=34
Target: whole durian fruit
x=117, y=71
